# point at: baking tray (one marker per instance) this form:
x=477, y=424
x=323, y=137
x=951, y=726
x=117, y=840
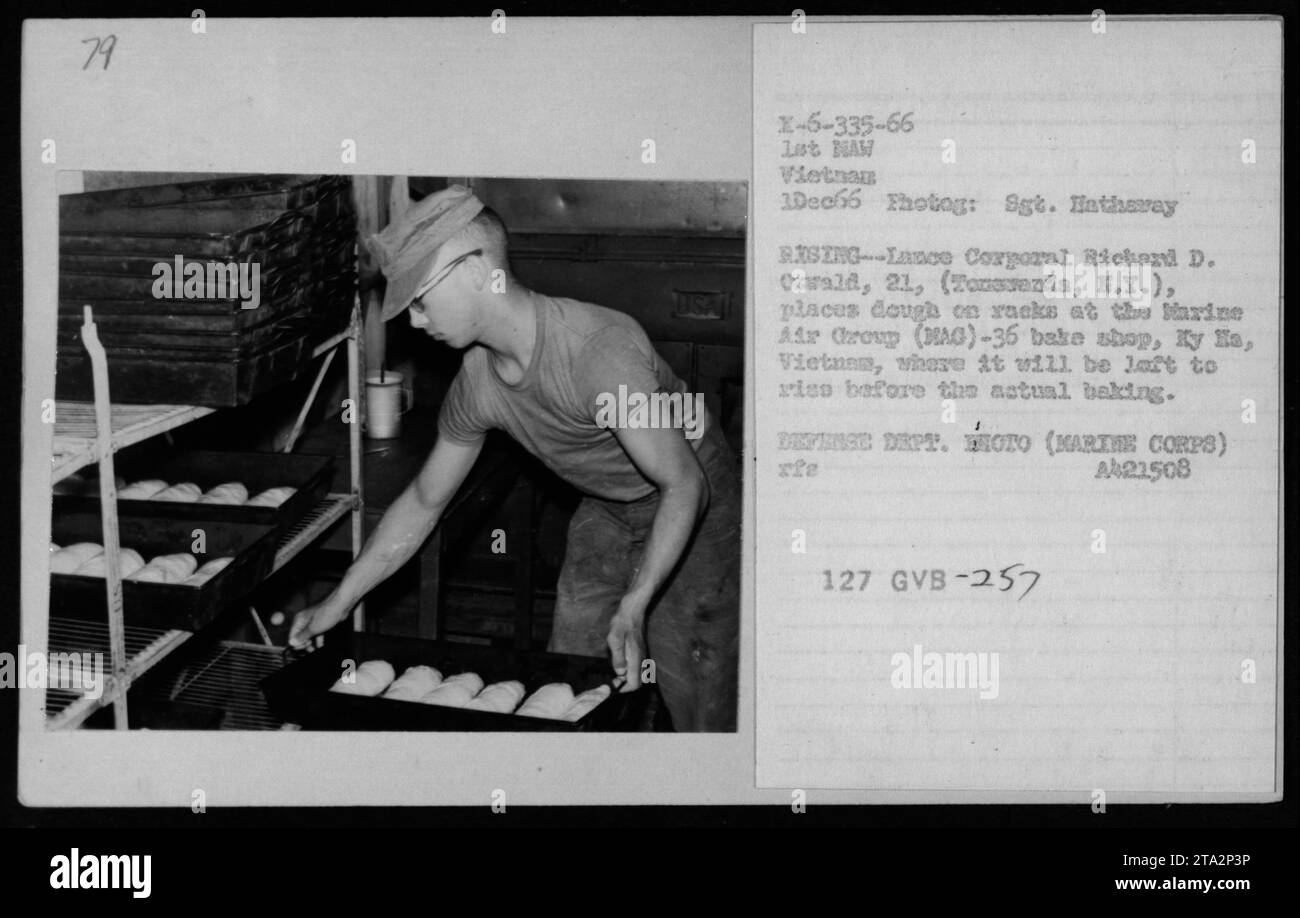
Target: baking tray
x=188, y=241
x=158, y=335
x=299, y=693
x=311, y=475
x=161, y=210
x=185, y=220
x=221, y=317
x=326, y=241
x=291, y=190
x=172, y=221
x=271, y=281
x=163, y=605
x=141, y=262
x=151, y=377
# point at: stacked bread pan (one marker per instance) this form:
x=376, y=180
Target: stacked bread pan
x=299, y=231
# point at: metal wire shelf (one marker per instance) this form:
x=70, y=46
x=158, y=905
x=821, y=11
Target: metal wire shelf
x=75, y=445
x=225, y=678
x=331, y=509
x=66, y=708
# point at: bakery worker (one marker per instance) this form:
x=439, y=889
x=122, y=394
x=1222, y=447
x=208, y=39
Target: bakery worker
x=652, y=563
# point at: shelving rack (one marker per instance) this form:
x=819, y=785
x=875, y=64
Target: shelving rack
x=88, y=432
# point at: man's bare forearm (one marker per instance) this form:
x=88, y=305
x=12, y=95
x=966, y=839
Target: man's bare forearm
x=405, y=525
x=680, y=507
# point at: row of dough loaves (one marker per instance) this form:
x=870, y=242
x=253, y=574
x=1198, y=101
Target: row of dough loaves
x=88, y=559
x=187, y=492
x=554, y=701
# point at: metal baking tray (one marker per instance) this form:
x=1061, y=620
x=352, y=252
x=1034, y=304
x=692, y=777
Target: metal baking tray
x=219, y=317
x=157, y=334
x=163, y=605
x=192, y=244
x=311, y=475
x=300, y=692
x=272, y=282
x=120, y=211
x=287, y=190
x=178, y=223
x=119, y=289
x=141, y=263
x=139, y=376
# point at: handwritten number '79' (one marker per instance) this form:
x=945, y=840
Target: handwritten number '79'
x=103, y=46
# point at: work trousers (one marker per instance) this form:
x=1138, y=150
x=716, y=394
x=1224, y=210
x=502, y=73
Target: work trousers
x=693, y=627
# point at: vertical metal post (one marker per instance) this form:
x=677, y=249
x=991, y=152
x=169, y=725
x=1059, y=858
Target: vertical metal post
x=108, y=511
x=356, y=376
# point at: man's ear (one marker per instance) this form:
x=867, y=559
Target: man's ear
x=480, y=271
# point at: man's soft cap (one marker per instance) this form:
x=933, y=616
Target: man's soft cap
x=407, y=248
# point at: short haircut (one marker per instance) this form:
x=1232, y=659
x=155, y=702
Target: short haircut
x=488, y=232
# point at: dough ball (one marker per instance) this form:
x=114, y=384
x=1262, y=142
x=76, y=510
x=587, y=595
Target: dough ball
x=470, y=680
x=149, y=574
x=271, y=497
x=372, y=677
x=502, y=697
x=414, y=684
x=129, y=561
x=586, y=702
x=187, y=492
x=455, y=691
x=232, y=492
x=67, y=560
x=142, y=490
x=550, y=701
x=173, y=568
x=207, y=572
x=177, y=566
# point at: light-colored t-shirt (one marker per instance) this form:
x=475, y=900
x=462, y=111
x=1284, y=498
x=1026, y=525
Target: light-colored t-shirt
x=582, y=355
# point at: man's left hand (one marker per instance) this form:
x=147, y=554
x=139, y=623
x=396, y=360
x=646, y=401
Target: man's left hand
x=626, y=645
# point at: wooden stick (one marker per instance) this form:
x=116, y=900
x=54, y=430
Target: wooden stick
x=108, y=505
x=306, y=405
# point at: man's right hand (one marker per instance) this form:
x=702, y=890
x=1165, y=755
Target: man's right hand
x=401, y=531
x=314, y=620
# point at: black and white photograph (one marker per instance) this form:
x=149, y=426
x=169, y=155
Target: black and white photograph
x=796, y=418
x=397, y=453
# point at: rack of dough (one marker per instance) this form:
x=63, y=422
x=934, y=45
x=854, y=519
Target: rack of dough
x=153, y=540
x=88, y=560
x=267, y=488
